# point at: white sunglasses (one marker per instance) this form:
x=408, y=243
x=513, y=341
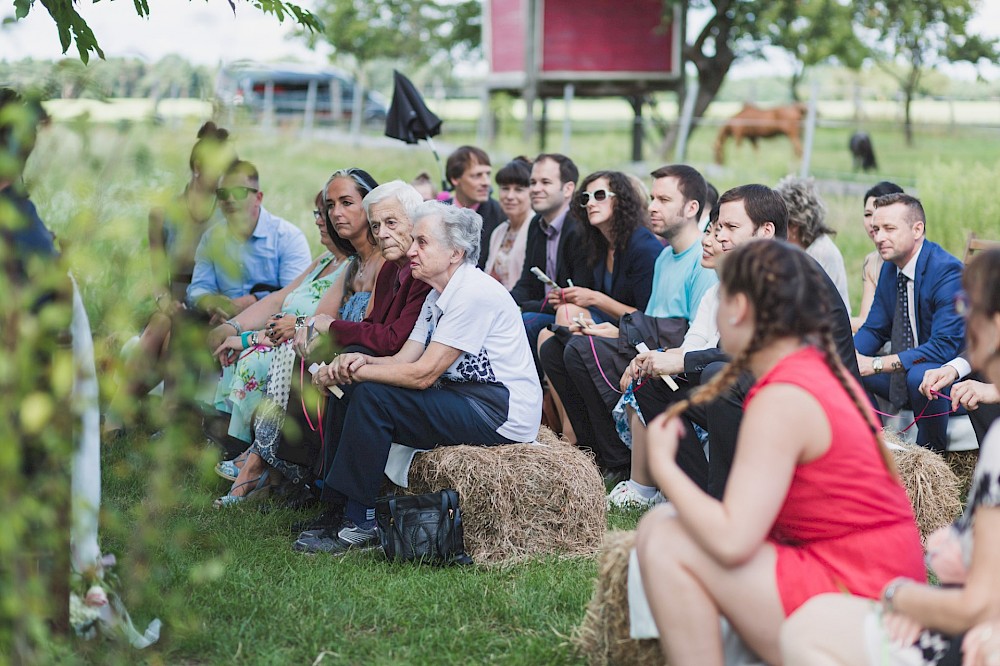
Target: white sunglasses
x=599, y=195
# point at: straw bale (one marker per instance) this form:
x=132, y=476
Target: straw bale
x=519, y=500
x=604, y=635
x=963, y=464
x=930, y=484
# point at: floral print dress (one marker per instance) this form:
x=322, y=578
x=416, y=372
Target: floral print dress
x=243, y=384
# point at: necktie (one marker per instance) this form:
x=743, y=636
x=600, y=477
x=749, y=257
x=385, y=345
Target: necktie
x=901, y=340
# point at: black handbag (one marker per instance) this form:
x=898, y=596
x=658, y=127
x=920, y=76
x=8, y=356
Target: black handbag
x=426, y=528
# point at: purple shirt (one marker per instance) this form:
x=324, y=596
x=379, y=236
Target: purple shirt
x=552, y=231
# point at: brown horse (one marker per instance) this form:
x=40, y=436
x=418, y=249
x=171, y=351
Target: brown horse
x=755, y=123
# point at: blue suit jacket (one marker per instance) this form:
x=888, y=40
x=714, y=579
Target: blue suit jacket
x=940, y=330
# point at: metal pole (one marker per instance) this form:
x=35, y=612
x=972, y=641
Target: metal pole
x=309, y=115
x=269, y=105
x=336, y=101
x=687, y=114
x=807, y=149
x=568, y=91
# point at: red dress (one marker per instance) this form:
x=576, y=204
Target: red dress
x=846, y=524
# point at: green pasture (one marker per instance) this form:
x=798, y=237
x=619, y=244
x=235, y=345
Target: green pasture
x=226, y=584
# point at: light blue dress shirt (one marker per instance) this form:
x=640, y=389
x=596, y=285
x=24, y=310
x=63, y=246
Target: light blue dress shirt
x=276, y=253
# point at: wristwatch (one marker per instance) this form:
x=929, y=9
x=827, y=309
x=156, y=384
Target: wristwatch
x=877, y=365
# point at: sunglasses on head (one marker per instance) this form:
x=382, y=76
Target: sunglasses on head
x=599, y=195
x=239, y=193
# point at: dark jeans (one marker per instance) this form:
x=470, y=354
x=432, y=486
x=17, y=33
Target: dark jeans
x=361, y=426
x=720, y=417
x=534, y=322
x=585, y=406
x=931, y=432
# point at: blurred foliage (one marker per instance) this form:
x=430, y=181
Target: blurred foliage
x=73, y=28
x=171, y=76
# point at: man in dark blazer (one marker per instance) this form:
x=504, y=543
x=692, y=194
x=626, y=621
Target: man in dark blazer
x=924, y=329
x=554, y=243
x=468, y=169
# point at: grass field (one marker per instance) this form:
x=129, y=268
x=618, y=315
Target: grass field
x=226, y=584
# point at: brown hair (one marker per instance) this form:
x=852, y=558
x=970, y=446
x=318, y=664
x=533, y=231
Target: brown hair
x=212, y=148
x=781, y=283
x=914, y=209
x=982, y=281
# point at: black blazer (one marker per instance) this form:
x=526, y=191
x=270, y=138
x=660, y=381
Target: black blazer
x=696, y=361
x=571, y=264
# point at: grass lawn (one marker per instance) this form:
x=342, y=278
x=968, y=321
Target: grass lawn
x=226, y=583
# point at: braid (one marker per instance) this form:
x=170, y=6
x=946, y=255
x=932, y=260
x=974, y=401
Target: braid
x=829, y=351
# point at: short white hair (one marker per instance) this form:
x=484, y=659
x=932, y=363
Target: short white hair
x=463, y=227
x=404, y=193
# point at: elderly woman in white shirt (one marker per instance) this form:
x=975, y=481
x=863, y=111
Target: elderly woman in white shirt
x=464, y=376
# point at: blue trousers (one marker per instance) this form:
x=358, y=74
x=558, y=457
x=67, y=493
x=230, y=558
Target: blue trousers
x=931, y=432
x=372, y=416
x=534, y=322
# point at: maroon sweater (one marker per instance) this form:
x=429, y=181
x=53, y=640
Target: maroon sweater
x=398, y=299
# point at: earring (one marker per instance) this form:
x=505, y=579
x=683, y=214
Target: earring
x=732, y=321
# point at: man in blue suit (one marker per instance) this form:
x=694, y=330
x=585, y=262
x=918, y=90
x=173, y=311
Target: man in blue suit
x=914, y=310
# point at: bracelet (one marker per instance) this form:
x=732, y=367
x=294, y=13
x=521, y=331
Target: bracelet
x=890, y=591
x=235, y=324
x=300, y=322
x=254, y=339
x=245, y=339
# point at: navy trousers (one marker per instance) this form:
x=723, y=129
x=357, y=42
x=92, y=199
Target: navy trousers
x=931, y=432
x=371, y=416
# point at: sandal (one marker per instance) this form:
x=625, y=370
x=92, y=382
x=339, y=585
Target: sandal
x=259, y=491
x=230, y=469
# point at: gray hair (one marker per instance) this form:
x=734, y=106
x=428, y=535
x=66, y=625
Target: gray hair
x=404, y=193
x=462, y=226
x=806, y=210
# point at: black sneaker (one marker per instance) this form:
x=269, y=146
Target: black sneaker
x=330, y=519
x=348, y=537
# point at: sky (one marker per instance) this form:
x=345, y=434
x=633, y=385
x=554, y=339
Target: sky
x=208, y=32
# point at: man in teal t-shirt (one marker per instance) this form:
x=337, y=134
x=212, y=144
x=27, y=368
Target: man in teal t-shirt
x=679, y=282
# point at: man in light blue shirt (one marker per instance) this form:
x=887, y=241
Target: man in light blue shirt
x=249, y=255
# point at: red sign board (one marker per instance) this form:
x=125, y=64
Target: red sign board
x=507, y=34
x=606, y=36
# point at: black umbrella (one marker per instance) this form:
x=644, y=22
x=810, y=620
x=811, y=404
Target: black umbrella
x=409, y=119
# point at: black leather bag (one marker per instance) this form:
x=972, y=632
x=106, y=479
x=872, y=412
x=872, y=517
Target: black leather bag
x=426, y=528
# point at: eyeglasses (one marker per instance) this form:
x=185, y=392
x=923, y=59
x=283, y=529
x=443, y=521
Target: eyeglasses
x=239, y=193
x=317, y=214
x=962, y=304
x=599, y=195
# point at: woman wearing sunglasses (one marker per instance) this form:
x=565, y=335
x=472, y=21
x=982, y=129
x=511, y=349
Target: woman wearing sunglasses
x=957, y=621
x=174, y=232
x=622, y=253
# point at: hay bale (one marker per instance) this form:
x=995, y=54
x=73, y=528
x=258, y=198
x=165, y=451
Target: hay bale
x=930, y=484
x=519, y=500
x=963, y=464
x=604, y=635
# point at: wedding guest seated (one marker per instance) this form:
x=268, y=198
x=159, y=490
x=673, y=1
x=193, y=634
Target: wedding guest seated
x=918, y=623
x=872, y=264
x=464, y=376
x=175, y=230
x=807, y=228
x=261, y=355
x=813, y=503
x=980, y=399
x=508, y=242
x=251, y=254
x=621, y=252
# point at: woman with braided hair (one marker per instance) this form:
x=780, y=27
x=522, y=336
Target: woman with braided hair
x=813, y=503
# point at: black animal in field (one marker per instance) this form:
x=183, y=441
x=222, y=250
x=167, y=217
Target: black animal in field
x=862, y=152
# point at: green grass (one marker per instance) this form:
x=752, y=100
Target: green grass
x=226, y=584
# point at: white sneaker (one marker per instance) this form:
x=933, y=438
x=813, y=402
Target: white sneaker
x=623, y=496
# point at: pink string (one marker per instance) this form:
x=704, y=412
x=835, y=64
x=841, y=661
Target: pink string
x=302, y=400
x=921, y=416
x=600, y=369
